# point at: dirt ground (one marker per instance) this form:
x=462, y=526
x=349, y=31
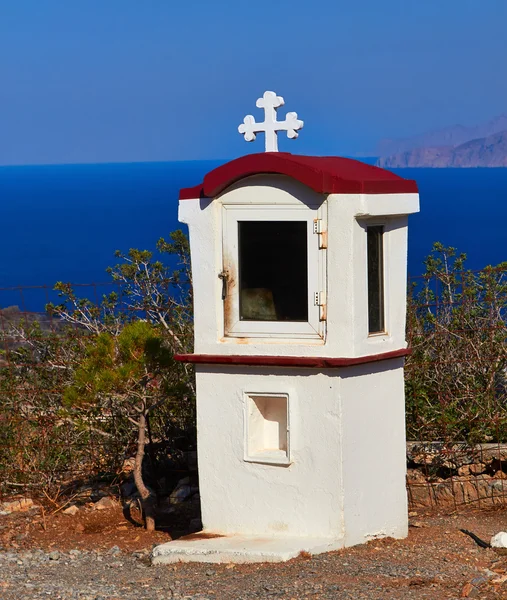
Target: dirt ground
x=89, y=529
x=435, y=561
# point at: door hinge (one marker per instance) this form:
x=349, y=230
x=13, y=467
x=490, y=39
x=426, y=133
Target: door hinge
x=319, y=228
x=320, y=301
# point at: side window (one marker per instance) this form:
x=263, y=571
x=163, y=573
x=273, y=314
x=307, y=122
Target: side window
x=375, y=260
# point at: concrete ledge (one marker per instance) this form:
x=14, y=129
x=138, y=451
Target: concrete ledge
x=240, y=549
x=315, y=362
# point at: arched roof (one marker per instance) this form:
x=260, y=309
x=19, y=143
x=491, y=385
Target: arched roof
x=323, y=174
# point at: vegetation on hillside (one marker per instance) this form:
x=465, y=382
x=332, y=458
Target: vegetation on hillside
x=80, y=399
x=93, y=384
x=456, y=377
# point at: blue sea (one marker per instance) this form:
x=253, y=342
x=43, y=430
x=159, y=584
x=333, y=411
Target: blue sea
x=64, y=223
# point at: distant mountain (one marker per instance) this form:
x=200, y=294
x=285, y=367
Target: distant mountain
x=490, y=151
x=450, y=136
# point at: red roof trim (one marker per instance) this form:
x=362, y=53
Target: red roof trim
x=323, y=174
x=191, y=193
x=313, y=362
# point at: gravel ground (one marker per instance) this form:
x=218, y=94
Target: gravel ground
x=436, y=561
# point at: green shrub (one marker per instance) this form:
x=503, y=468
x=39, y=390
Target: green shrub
x=456, y=375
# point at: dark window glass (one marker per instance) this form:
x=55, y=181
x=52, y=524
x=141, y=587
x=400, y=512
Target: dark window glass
x=375, y=279
x=273, y=271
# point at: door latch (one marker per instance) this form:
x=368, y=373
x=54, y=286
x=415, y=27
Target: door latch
x=224, y=276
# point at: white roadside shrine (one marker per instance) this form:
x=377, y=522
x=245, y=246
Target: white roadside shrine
x=299, y=268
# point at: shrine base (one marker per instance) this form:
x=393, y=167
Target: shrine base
x=240, y=549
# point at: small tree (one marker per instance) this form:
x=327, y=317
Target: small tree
x=127, y=370
x=147, y=289
x=152, y=310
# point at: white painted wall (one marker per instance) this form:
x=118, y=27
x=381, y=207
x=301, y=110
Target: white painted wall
x=346, y=479
x=373, y=451
x=347, y=329
x=300, y=499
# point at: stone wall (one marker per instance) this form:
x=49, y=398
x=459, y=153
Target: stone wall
x=449, y=476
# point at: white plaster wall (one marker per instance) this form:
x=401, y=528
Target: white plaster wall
x=301, y=499
x=347, y=329
x=346, y=479
x=204, y=226
x=373, y=451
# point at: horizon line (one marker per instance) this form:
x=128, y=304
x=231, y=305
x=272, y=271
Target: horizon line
x=142, y=162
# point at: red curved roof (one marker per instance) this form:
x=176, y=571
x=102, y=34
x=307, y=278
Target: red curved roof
x=323, y=174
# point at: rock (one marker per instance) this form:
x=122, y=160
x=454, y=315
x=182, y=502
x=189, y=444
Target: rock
x=72, y=510
x=423, y=459
x=444, y=494
x=105, y=503
x=128, y=464
x=415, y=475
x=439, y=454
x=55, y=555
x=165, y=507
x=479, y=581
x=191, y=459
x=498, y=485
x=420, y=495
x=469, y=491
x=195, y=525
x=19, y=505
x=417, y=524
x=182, y=482
x=499, y=540
x=128, y=488
x=181, y=492
x=469, y=591
x=473, y=469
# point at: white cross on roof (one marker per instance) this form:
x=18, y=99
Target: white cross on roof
x=270, y=126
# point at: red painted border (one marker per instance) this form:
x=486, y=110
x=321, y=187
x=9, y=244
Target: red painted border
x=323, y=174
x=315, y=362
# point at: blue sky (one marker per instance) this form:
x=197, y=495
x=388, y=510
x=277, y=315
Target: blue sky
x=131, y=80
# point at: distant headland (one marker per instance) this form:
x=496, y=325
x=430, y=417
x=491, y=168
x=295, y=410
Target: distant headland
x=458, y=146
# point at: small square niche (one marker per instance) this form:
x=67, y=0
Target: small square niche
x=267, y=428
